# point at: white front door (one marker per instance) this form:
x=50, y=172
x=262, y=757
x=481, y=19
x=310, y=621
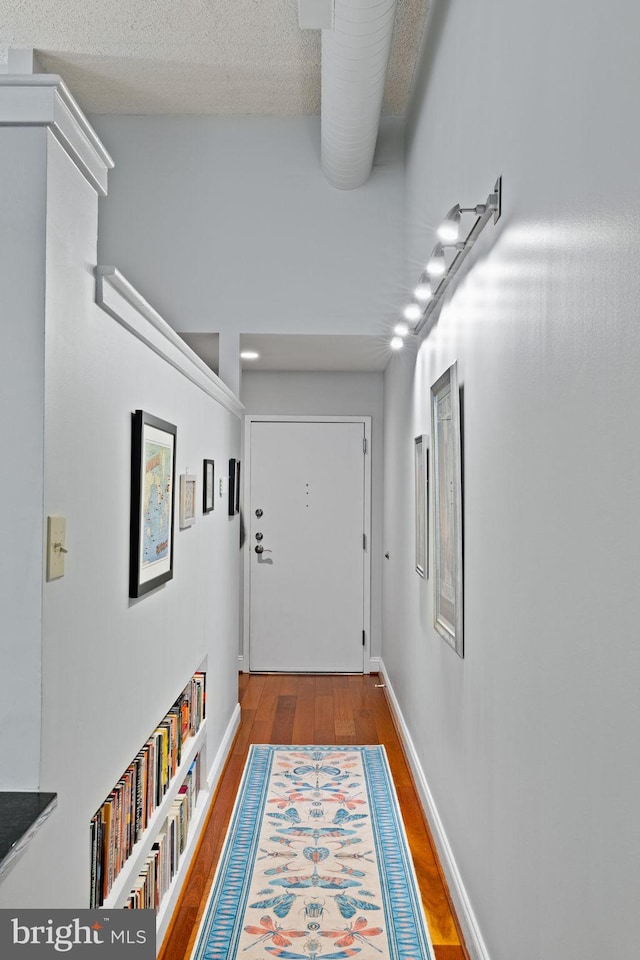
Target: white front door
x=306, y=511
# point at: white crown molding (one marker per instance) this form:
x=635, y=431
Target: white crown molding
x=473, y=937
x=44, y=100
x=121, y=301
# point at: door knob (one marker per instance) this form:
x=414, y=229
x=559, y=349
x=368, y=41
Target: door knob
x=259, y=535
x=259, y=548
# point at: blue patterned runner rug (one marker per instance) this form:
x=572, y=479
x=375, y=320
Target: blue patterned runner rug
x=316, y=864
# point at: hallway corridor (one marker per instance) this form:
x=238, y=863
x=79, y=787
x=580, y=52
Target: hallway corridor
x=314, y=710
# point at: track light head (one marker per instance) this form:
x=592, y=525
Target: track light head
x=436, y=265
x=449, y=229
x=412, y=311
x=423, y=291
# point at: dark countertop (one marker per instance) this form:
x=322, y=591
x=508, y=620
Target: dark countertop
x=21, y=815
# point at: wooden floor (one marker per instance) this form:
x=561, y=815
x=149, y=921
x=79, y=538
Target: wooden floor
x=322, y=710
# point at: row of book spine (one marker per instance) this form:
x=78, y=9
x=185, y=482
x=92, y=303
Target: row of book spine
x=162, y=864
x=124, y=816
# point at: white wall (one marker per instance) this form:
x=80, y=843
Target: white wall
x=22, y=164
x=111, y=666
x=230, y=221
x=332, y=394
x=529, y=743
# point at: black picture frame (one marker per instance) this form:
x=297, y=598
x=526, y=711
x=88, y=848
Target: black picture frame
x=237, y=504
x=153, y=451
x=208, y=480
x=234, y=487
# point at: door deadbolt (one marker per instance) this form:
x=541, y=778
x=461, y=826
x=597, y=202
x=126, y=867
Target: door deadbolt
x=259, y=513
x=259, y=535
x=259, y=548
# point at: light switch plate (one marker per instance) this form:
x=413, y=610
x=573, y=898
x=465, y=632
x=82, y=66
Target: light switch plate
x=56, y=547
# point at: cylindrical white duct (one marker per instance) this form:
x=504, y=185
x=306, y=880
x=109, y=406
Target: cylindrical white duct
x=355, y=55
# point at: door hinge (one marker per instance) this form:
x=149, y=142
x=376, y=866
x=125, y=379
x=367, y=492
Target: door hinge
x=364, y=444
x=363, y=638
x=364, y=541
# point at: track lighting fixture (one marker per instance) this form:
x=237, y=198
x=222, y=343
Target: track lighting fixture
x=437, y=275
x=449, y=233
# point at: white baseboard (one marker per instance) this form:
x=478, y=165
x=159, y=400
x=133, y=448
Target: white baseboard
x=467, y=918
x=223, y=750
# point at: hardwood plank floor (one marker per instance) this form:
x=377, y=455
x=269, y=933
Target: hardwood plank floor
x=322, y=710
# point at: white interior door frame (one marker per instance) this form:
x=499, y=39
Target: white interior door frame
x=246, y=498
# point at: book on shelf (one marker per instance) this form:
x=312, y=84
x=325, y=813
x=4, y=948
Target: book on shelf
x=123, y=817
x=160, y=867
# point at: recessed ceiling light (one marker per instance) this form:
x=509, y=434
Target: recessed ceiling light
x=401, y=329
x=249, y=355
x=396, y=343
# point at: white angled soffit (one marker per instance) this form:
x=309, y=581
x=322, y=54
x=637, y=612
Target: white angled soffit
x=355, y=56
x=121, y=301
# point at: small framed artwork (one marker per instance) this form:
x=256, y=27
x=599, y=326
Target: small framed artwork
x=447, y=509
x=234, y=487
x=237, y=503
x=208, y=473
x=187, y=500
x=153, y=465
x=422, y=504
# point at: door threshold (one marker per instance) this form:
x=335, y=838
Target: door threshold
x=305, y=673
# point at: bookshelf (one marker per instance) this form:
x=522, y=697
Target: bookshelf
x=185, y=788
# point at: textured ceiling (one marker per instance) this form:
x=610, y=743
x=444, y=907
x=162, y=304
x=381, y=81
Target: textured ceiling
x=233, y=57
x=194, y=56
